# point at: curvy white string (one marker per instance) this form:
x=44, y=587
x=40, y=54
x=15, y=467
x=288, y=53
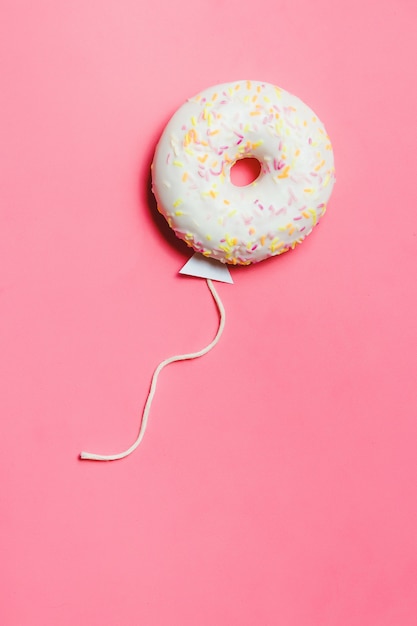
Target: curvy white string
x=181, y=357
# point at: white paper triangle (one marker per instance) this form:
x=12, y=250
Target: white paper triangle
x=202, y=267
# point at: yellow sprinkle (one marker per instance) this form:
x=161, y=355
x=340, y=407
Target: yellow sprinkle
x=231, y=241
x=276, y=244
x=206, y=252
x=314, y=216
x=189, y=151
x=326, y=180
x=177, y=202
x=208, y=237
x=178, y=163
x=323, y=209
x=178, y=213
x=246, y=99
x=266, y=99
x=193, y=120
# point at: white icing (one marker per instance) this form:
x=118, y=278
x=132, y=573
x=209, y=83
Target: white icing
x=201, y=143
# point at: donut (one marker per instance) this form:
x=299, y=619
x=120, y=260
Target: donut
x=191, y=172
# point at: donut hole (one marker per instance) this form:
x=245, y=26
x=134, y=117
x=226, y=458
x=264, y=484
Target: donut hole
x=245, y=171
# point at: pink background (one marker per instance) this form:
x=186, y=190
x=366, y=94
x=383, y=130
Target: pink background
x=276, y=484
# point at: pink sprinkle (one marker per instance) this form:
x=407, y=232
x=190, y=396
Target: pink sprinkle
x=168, y=157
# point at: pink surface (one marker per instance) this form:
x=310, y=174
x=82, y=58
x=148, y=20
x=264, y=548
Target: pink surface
x=276, y=484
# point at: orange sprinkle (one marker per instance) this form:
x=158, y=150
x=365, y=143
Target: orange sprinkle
x=284, y=172
x=252, y=231
x=184, y=177
x=255, y=113
x=226, y=201
x=297, y=152
x=214, y=96
x=258, y=89
x=248, y=84
x=237, y=87
x=319, y=166
x=263, y=240
x=203, y=158
x=254, y=98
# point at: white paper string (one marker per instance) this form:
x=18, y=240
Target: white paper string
x=181, y=357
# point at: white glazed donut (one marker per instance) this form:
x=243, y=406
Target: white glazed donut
x=200, y=145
